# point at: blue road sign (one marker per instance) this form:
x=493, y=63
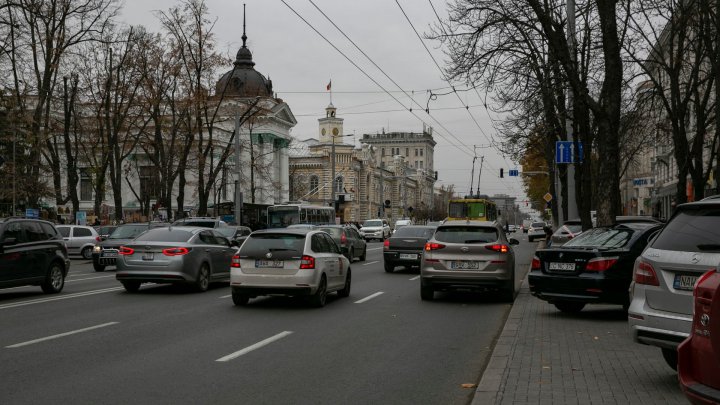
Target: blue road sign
x=565, y=151
x=513, y=172
x=32, y=213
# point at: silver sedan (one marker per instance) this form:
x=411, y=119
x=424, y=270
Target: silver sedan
x=182, y=255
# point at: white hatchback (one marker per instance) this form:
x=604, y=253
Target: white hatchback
x=291, y=262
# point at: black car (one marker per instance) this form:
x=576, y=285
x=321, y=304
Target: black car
x=595, y=267
x=351, y=243
x=405, y=246
x=105, y=253
x=32, y=252
x=236, y=234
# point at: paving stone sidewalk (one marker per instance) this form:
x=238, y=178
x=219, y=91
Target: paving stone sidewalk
x=544, y=356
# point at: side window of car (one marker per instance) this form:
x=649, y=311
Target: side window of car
x=221, y=239
x=14, y=230
x=316, y=243
x=80, y=232
x=49, y=230
x=34, y=232
x=332, y=246
x=207, y=238
x=64, y=231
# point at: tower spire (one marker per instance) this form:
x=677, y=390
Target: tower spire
x=244, y=37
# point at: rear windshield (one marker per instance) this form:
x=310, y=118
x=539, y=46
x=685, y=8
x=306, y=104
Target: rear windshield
x=128, y=231
x=414, y=232
x=165, y=235
x=372, y=223
x=64, y=231
x=572, y=228
x=466, y=234
x=335, y=232
x=538, y=225
x=691, y=230
x=602, y=238
x=273, y=243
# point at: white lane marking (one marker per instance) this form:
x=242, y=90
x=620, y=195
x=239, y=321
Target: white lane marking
x=62, y=297
x=375, y=249
x=369, y=263
x=254, y=347
x=89, y=278
x=226, y=296
x=29, y=342
x=414, y=278
x=369, y=297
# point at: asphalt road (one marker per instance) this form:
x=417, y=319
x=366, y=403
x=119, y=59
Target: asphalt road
x=95, y=343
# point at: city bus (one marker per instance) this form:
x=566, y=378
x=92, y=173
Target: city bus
x=477, y=209
x=282, y=215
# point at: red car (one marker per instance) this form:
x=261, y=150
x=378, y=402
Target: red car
x=699, y=355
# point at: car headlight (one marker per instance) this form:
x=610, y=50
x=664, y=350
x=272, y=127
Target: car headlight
x=97, y=249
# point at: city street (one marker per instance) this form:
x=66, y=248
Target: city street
x=96, y=343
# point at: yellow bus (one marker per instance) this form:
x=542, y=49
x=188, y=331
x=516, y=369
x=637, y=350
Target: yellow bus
x=476, y=209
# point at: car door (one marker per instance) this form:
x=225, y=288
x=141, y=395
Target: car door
x=335, y=260
x=38, y=248
x=224, y=255
x=13, y=260
x=212, y=250
x=327, y=263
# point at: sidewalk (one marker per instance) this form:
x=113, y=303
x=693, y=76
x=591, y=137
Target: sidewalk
x=544, y=356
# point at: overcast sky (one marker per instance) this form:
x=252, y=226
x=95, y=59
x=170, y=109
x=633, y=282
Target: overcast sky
x=301, y=63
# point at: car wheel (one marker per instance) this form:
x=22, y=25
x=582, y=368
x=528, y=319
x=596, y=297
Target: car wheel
x=345, y=292
x=364, y=255
x=54, y=279
x=98, y=267
x=570, y=307
x=389, y=267
x=320, y=297
x=351, y=254
x=671, y=357
x=131, y=286
x=427, y=293
x=87, y=253
x=240, y=299
x=203, y=279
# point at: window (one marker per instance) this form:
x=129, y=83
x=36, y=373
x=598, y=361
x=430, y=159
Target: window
x=416, y=164
x=14, y=230
x=86, y=189
x=49, y=230
x=416, y=152
x=318, y=244
x=382, y=152
x=421, y=152
x=314, y=184
x=332, y=246
x=34, y=232
x=421, y=164
x=407, y=152
x=339, y=188
x=148, y=182
x=80, y=232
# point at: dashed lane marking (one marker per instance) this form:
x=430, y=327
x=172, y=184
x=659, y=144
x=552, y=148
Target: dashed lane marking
x=369, y=297
x=30, y=342
x=369, y=263
x=256, y=346
x=58, y=298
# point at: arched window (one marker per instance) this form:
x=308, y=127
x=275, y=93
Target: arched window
x=314, y=183
x=339, y=188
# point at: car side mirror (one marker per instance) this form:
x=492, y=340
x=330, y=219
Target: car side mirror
x=514, y=241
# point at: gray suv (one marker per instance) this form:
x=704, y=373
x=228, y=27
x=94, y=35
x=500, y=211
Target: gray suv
x=661, y=307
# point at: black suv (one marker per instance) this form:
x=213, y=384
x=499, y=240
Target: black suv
x=32, y=252
x=105, y=253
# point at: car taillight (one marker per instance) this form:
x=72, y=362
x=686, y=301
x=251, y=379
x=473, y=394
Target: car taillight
x=701, y=280
x=600, y=263
x=343, y=238
x=307, y=262
x=498, y=247
x=99, y=239
x=386, y=244
x=235, y=262
x=433, y=246
x=645, y=273
x=125, y=250
x=175, y=251
x=535, y=263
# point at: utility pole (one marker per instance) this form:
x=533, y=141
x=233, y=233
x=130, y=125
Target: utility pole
x=332, y=171
x=482, y=159
x=382, y=192
x=238, y=193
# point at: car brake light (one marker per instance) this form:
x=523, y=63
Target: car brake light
x=433, y=246
x=307, y=262
x=343, y=238
x=235, y=262
x=99, y=239
x=645, y=273
x=600, y=263
x=175, y=251
x=535, y=263
x=701, y=280
x=498, y=247
x=125, y=250
x=386, y=244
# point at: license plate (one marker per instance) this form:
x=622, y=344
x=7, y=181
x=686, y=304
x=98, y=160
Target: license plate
x=684, y=282
x=278, y=264
x=562, y=266
x=408, y=256
x=109, y=254
x=465, y=265
x=148, y=256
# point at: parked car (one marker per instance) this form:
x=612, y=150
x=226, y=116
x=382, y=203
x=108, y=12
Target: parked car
x=79, y=239
x=203, y=222
x=375, y=229
x=178, y=255
x=512, y=228
x=32, y=252
x=570, y=229
x=536, y=231
x=661, y=292
x=400, y=223
x=236, y=233
x=105, y=231
x=105, y=253
x=405, y=246
x=351, y=243
x=468, y=255
x=293, y=262
x=699, y=354
x=595, y=267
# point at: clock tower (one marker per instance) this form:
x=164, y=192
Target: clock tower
x=330, y=126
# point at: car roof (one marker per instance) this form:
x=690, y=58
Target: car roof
x=457, y=222
x=293, y=231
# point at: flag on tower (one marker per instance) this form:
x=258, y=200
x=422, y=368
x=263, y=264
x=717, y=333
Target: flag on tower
x=329, y=85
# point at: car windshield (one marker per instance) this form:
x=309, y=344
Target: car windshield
x=128, y=231
x=335, y=232
x=414, y=232
x=606, y=238
x=538, y=224
x=273, y=242
x=371, y=222
x=691, y=230
x=572, y=228
x=466, y=234
x=165, y=235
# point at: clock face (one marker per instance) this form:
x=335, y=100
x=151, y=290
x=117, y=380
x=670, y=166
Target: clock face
x=323, y=131
x=335, y=131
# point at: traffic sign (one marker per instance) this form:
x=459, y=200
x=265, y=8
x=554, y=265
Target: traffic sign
x=32, y=213
x=547, y=197
x=512, y=172
x=565, y=151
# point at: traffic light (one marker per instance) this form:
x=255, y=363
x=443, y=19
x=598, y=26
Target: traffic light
x=387, y=203
x=502, y=174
